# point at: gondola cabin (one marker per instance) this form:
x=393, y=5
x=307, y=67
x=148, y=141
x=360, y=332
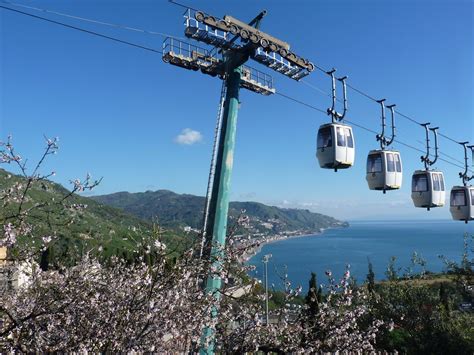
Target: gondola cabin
x=462, y=203
x=428, y=189
x=384, y=170
x=335, y=146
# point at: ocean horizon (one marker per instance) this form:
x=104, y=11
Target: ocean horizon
x=376, y=241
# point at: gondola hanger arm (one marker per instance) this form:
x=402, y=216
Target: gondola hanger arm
x=336, y=116
x=435, y=133
x=471, y=147
x=344, y=91
x=332, y=111
x=392, y=111
x=463, y=175
x=426, y=158
x=381, y=136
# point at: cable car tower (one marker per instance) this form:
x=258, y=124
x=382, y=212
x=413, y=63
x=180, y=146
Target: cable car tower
x=229, y=43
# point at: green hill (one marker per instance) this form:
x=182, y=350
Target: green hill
x=109, y=229
x=116, y=224
x=179, y=210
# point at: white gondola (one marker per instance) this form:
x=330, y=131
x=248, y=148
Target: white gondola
x=384, y=170
x=335, y=146
x=427, y=186
x=462, y=197
x=462, y=203
x=428, y=189
x=384, y=167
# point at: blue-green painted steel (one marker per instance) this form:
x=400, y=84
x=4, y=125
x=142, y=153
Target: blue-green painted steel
x=221, y=194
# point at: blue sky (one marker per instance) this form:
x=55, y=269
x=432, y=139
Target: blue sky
x=118, y=110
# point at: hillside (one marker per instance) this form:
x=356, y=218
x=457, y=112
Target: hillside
x=96, y=226
x=174, y=210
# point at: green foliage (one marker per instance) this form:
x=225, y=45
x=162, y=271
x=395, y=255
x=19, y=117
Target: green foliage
x=371, y=278
x=425, y=314
x=444, y=297
x=75, y=231
x=314, y=296
x=279, y=300
x=392, y=271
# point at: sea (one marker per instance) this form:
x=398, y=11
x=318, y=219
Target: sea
x=433, y=241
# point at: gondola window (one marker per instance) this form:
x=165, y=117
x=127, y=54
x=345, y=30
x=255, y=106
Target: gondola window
x=398, y=163
x=324, y=138
x=390, y=162
x=436, y=186
x=340, y=137
x=349, y=140
x=420, y=183
x=374, y=164
x=441, y=182
x=458, y=198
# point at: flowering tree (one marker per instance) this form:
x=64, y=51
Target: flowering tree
x=338, y=325
x=113, y=304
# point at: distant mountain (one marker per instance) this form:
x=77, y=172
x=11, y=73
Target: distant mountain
x=174, y=210
x=116, y=223
x=109, y=228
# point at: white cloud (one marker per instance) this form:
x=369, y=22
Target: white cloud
x=188, y=136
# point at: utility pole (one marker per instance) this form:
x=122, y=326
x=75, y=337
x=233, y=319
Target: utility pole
x=233, y=43
x=265, y=263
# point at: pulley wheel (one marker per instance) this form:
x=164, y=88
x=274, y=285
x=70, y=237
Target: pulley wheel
x=292, y=56
x=273, y=47
x=254, y=38
x=211, y=20
x=310, y=66
x=244, y=34
x=223, y=25
x=199, y=16
x=234, y=29
x=302, y=62
x=264, y=43
x=283, y=52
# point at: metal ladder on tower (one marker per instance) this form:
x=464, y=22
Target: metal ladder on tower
x=212, y=169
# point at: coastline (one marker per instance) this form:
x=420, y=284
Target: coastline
x=258, y=245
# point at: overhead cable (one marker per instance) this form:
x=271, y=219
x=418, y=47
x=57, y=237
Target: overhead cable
x=365, y=128
x=182, y=5
x=397, y=111
x=301, y=102
x=82, y=30
x=168, y=35
x=321, y=91
x=97, y=22
x=160, y=52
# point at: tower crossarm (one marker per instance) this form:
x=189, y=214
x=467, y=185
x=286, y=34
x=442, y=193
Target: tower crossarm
x=191, y=57
x=256, y=36
x=215, y=31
